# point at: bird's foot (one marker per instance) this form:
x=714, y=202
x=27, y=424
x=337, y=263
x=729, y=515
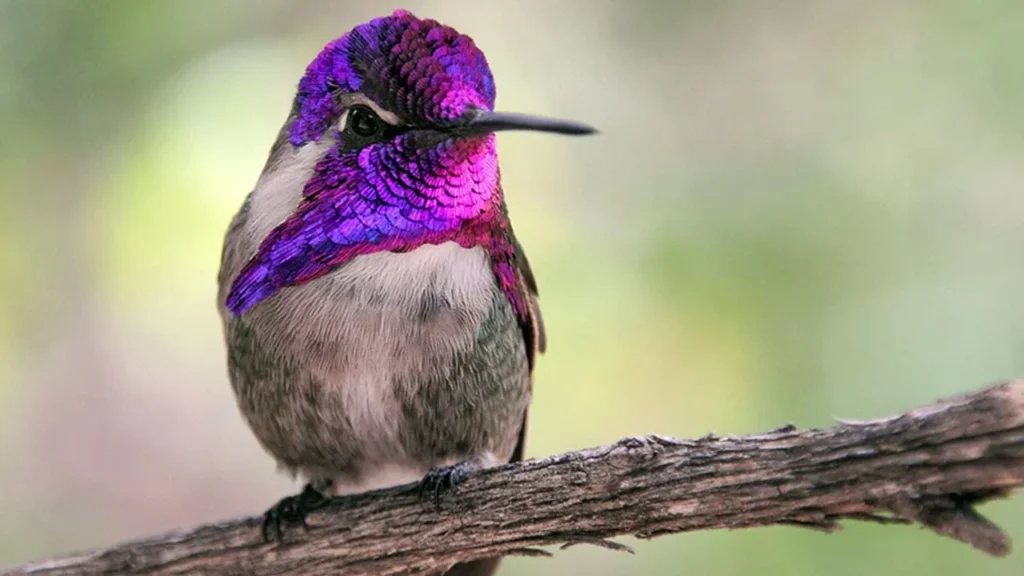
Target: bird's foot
x=446, y=478
x=291, y=510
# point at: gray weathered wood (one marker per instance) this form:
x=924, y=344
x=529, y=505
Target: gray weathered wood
x=930, y=466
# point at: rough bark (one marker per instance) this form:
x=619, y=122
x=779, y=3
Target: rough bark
x=929, y=466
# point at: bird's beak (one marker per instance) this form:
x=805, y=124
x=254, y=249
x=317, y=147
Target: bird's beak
x=485, y=121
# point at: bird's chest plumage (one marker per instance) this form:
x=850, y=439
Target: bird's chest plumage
x=398, y=361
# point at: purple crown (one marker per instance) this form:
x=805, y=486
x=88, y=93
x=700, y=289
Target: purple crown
x=419, y=69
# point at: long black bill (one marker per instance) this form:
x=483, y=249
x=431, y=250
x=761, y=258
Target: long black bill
x=486, y=121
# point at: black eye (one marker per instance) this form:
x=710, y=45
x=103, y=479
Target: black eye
x=363, y=122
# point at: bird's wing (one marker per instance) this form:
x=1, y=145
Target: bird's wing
x=533, y=333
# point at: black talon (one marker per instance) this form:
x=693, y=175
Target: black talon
x=438, y=480
x=291, y=510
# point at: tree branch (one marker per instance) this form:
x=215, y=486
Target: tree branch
x=931, y=466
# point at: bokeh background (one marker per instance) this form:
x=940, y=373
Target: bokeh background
x=795, y=211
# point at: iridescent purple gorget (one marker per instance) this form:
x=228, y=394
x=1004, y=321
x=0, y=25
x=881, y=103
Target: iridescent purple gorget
x=435, y=181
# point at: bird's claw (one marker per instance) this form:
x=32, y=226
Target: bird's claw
x=447, y=478
x=291, y=510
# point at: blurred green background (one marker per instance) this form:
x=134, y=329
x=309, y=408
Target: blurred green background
x=795, y=211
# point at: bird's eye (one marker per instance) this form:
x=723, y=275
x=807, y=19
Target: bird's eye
x=363, y=122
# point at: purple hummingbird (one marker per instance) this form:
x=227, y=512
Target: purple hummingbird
x=381, y=318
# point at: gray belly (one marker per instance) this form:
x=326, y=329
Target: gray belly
x=391, y=365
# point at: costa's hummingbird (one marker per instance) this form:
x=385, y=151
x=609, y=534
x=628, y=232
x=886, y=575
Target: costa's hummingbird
x=380, y=316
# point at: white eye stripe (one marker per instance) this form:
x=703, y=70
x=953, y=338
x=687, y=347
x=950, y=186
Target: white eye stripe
x=384, y=115
x=342, y=120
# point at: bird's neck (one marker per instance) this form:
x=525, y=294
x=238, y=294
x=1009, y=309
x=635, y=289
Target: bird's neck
x=279, y=189
x=294, y=173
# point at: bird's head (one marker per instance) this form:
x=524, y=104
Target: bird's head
x=401, y=114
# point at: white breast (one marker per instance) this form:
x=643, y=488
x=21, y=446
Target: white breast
x=368, y=333
x=384, y=300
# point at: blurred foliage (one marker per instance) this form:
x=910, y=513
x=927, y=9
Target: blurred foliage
x=795, y=211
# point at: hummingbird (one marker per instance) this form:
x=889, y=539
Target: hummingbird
x=380, y=316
